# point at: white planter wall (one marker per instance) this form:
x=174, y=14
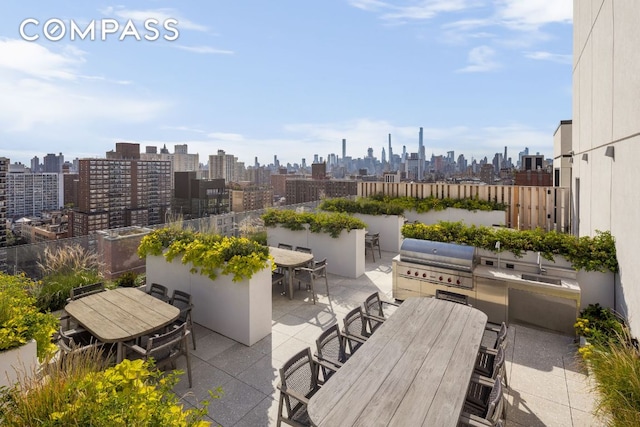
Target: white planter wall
x=486, y=218
x=344, y=254
x=16, y=362
x=240, y=311
x=389, y=227
x=596, y=287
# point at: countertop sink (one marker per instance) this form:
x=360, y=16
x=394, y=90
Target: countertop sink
x=543, y=279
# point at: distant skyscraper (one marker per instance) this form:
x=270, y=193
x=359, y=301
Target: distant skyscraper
x=344, y=149
x=390, y=153
x=420, y=155
x=53, y=163
x=384, y=156
x=35, y=165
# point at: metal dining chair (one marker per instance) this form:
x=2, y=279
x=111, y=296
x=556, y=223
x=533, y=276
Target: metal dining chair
x=355, y=329
x=164, y=349
x=159, y=291
x=374, y=310
x=484, y=404
x=310, y=275
x=332, y=349
x=372, y=241
x=182, y=300
x=285, y=246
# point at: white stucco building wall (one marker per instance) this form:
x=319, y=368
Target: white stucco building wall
x=606, y=119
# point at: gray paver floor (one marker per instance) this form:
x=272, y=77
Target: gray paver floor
x=547, y=385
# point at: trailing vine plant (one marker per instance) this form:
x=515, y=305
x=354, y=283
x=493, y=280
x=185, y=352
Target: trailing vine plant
x=597, y=253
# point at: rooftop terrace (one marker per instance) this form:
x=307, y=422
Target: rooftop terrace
x=547, y=387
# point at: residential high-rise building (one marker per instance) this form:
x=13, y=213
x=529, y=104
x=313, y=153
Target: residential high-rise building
x=35, y=165
x=181, y=160
x=53, y=163
x=121, y=191
x=30, y=194
x=222, y=166
x=4, y=170
x=197, y=198
x=250, y=197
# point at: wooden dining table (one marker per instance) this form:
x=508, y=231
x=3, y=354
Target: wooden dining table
x=121, y=315
x=413, y=371
x=289, y=259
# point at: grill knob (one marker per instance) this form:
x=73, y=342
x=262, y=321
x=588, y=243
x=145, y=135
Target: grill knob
x=416, y=274
x=458, y=282
x=424, y=274
x=408, y=271
x=449, y=280
x=440, y=278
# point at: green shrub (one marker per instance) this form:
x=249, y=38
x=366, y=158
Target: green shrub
x=616, y=368
x=77, y=392
x=208, y=254
x=599, y=325
x=433, y=203
x=596, y=253
x=128, y=279
x=20, y=320
x=362, y=206
x=321, y=222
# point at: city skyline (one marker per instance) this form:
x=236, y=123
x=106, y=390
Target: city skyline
x=289, y=79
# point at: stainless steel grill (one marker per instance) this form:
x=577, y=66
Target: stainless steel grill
x=446, y=264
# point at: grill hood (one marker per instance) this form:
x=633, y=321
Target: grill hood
x=438, y=254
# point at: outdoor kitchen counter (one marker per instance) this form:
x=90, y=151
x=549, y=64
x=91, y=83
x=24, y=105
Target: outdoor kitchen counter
x=505, y=296
x=514, y=278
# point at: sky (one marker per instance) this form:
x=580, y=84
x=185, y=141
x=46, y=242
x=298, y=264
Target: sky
x=284, y=77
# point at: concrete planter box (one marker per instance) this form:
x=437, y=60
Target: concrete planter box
x=596, y=287
x=240, y=311
x=344, y=254
x=119, y=251
x=389, y=227
x=18, y=361
x=486, y=218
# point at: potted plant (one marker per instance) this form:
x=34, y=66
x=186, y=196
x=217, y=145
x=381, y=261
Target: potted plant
x=229, y=278
x=25, y=333
x=338, y=237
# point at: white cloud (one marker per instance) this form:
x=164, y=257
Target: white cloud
x=46, y=91
x=548, y=56
x=161, y=15
x=534, y=13
x=203, y=49
x=481, y=59
x=403, y=11
x=38, y=61
x=226, y=137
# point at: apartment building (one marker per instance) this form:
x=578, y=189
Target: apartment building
x=4, y=170
x=30, y=194
x=251, y=198
x=181, y=160
x=197, y=198
x=121, y=191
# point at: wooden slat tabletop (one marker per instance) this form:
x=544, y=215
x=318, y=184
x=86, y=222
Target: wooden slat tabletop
x=121, y=314
x=414, y=370
x=289, y=259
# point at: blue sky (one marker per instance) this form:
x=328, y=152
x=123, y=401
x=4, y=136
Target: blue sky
x=288, y=77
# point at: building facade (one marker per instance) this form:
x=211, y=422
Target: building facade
x=4, y=170
x=197, y=198
x=181, y=160
x=606, y=136
x=30, y=194
x=121, y=191
x=309, y=190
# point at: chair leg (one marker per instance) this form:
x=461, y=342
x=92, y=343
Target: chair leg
x=326, y=281
x=186, y=352
x=379, y=252
x=193, y=335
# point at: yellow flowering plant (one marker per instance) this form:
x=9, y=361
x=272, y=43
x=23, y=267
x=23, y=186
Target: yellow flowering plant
x=20, y=320
x=208, y=254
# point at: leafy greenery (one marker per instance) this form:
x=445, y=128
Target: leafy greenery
x=433, y=203
x=78, y=393
x=599, y=325
x=362, y=206
x=20, y=320
x=208, y=253
x=319, y=222
x=614, y=360
x=128, y=279
x=596, y=253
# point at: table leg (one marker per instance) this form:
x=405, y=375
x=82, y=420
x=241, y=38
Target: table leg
x=290, y=283
x=119, y=352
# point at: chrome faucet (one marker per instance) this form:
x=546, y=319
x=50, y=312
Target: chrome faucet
x=540, y=269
